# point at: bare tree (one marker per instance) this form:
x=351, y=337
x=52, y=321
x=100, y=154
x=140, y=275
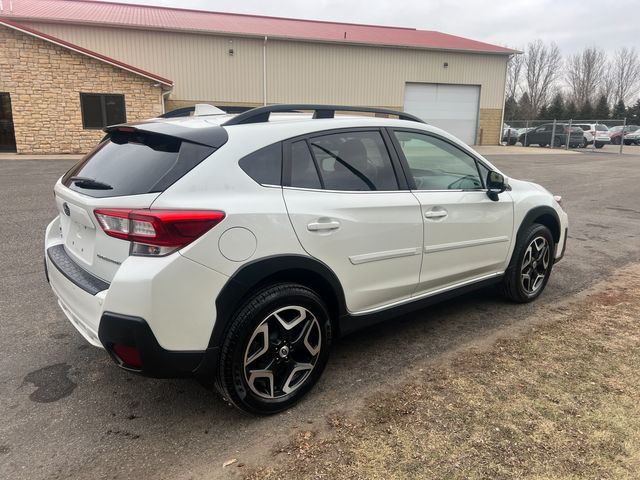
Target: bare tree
x=585, y=75
x=625, y=74
x=541, y=68
x=514, y=74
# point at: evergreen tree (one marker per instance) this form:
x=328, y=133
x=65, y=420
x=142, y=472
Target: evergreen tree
x=633, y=113
x=619, y=111
x=557, y=110
x=525, y=109
x=571, y=111
x=543, y=114
x=510, y=108
x=601, y=111
x=586, y=112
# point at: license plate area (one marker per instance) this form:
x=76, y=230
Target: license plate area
x=79, y=233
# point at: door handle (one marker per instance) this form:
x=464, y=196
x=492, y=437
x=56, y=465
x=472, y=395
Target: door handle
x=318, y=226
x=435, y=214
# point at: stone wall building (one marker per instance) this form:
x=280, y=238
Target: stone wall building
x=59, y=96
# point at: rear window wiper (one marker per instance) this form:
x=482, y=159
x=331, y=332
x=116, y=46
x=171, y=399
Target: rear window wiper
x=86, y=182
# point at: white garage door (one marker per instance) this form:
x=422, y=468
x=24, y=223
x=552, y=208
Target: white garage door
x=453, y=108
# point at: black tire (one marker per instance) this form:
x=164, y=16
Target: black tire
x=232, y=381
x=627, y=142
x=512, y=285
x=557, y=142
x=512, y=141
x=542, y=145
x=599, y=144
x=583, y=143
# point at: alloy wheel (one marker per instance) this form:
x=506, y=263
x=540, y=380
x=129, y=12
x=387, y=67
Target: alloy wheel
x=535, y=265
x=282, y=352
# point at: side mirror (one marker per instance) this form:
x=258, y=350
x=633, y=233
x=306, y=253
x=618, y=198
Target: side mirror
x=495, y=185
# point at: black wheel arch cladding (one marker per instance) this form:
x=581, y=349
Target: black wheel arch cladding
x=307, y=271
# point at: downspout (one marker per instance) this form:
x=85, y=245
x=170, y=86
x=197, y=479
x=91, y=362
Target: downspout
x=163, y=96
x=264, y=71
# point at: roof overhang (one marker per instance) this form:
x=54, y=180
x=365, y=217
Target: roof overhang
x=162, y=82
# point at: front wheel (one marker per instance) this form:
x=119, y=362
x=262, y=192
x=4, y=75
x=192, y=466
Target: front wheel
x=599, y=144
x=530, y=266
x=275, y=349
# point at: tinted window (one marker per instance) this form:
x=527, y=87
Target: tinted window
x=303, y=169
x=484, y=171
x=264, y=165
x=133, y=163
x=438, y=165
x=100, y=110
x=602, y=128
x=354, y=161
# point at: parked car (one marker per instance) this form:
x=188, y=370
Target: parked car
x=632, y=138
x=616, y=133
x=509, y=135
x=595, y=131
x=547, y=134
x=237, y=248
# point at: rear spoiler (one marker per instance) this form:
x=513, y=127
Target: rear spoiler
x=212, y=136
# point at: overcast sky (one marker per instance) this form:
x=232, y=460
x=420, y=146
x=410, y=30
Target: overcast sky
x=572, y=24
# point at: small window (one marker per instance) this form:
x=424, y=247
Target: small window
x=100, y=110
x=354, y=161
x=264, y=165
x=303, y=168
x=438, y=165
x=484, y=171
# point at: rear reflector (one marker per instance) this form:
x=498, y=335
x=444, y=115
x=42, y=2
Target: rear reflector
x=157, y=232
x=130, y=356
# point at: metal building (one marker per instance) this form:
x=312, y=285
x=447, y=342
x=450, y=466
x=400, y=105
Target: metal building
x=232, y=60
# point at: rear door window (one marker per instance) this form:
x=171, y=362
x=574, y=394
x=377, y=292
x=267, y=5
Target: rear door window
x=134, y=163
x=354, y=161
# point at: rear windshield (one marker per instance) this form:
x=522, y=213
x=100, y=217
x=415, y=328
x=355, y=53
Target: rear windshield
x=602, y=128
x=133, y=163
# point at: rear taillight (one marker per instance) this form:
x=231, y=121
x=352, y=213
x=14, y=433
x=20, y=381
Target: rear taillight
x=592, y=132
x=157, y=232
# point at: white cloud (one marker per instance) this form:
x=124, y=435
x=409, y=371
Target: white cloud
x=572, y=24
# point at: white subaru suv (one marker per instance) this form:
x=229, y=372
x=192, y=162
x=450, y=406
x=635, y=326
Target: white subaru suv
x=236, y=248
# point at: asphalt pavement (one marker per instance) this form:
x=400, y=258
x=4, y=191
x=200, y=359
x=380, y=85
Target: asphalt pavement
x=67, y=412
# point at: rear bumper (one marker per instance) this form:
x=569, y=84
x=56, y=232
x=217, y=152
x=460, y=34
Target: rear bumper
x=156, y=361
x=163, y=306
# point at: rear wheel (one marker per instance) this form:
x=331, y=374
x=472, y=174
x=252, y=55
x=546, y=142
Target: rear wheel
x=275, y=349
x=599, y=144
x=530, y=266
x=583, y=143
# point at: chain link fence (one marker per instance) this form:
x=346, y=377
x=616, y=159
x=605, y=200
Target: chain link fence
x=572, y=134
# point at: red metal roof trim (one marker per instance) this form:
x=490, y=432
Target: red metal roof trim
x=164, y=18
x=84, y=51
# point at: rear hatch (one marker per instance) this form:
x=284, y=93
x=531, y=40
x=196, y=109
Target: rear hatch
x=129, y=169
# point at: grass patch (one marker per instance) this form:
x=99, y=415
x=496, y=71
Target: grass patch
x=561, y=401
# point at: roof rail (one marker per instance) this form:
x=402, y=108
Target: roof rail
x=261, y=114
